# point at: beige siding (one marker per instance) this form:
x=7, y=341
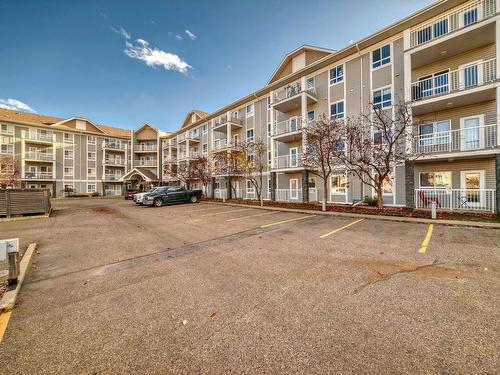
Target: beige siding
x=382, y=77
x=146, y=133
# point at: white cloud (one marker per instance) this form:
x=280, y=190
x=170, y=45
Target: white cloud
x=16, y=105
x=178, y=37
x=122, y=32
x=155, y=57
x=190, y=34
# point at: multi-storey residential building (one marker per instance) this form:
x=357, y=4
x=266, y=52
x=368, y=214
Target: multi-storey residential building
x=441, y=61
x=63, y=154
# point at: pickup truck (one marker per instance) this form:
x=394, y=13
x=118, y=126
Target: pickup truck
x=140, y=196
x=168, y=195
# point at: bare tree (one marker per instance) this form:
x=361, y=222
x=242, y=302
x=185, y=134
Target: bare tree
x=324, y=147
x=375, y=144
x=202, y=171
x=9, y=172
x=184, y=172
x=253, y=163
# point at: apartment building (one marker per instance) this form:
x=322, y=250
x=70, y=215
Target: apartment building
x=441, y=61
x=64, y=154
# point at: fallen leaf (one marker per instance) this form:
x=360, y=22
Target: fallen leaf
x=381, y=273
x=184, y=322
x=213, y=314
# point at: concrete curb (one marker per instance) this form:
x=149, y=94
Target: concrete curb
x=471, y=224
x=9, y=297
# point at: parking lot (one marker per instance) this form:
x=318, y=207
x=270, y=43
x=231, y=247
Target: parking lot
x=205, y=288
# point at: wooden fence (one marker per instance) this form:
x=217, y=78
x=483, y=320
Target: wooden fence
x=24, y=202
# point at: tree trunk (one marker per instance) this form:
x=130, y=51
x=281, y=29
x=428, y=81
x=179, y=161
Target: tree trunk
x=325, y=193
x=380, y=199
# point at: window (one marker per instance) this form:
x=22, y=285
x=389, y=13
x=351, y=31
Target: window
x=68, y=186
x=91, y=156
x=435, y=133
x=310, y=116
x=336, y=75
x=205, y=128
x=268, y=102
x=91, y=172
x=68, y=137
x=337, y=110
x=250, y=135
x=91, y=140
x=205, y=148
x=381, y=56
x=91, y=188
x=387, y=184
x=269, y=129
x=269, y=157
x=338, y=184
x=235, y=114
x=6, y=148
x=382, y=98
x=470, y=16
x=68, y=171
x=310, y=83
x=68, y=154
x=435, y=180
x=430, y=85
x=250, y=110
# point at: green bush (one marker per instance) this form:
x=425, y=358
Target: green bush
x=370, y=201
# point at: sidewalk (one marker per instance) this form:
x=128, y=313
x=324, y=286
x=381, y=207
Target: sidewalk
x=470, y=224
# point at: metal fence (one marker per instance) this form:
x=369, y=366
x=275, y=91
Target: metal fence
x=24, y=202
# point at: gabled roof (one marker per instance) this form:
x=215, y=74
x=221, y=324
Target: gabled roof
x=63, y=122
x=147, y=125
x=49, y=121
x=313, y=54
x=146, y=174
x=199, y=115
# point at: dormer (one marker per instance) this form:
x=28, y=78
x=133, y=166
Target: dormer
x=193, y=116
x=79, y=123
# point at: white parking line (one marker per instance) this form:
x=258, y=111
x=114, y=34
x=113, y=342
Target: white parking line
x=226, y=212
x=246, y=217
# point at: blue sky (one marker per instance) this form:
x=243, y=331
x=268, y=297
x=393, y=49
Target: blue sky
x=71, y=57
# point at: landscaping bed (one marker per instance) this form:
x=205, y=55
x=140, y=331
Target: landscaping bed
x=370, y=210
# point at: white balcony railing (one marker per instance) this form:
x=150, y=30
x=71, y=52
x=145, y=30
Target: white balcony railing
x=145, y=163
x=470, y=76
x=38, y=175
x=145, y=147
x=114, y=145
x=288, y=195
x=114, y=161
x=466, y=139
x=220, y=193
x=112, y=176
x=456, y=199
x=40, y=156
x=288, y=126
x=38, y=136
x=457, y=19
x=291, y=91
x=188, y=155
x=288, y=161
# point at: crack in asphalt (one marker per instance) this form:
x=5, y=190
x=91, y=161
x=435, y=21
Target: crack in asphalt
x=391, y=275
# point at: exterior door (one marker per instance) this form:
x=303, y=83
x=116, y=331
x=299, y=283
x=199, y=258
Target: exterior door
x=294, y=188
x=293, y=124
x=472, y=182
x=293, y=157
x=471, y=137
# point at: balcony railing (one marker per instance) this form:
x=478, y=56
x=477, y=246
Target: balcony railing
x=7, y=131
x=111, y=161
x=39, y=175
x=456, y=199
x=114, y=145
x=188, y=155
x=220, y=193
x=145, y=147
x=170, y=159
x=145, y=163
x=288, y=161
x=112, y=176
x=468, y=77
x=41, y=156
x=288, y=195
x=288, y=126
x=37, y=136
x=224, y=120
x=466, y=139
x=291, y=91
x=457, y=19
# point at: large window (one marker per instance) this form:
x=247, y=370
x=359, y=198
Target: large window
x=336, y=74
x=68, y=137
x=435, y=180
x=250, y=110
x=205, y=128
x=337, y=110
x=338, y=184
x=68, y=154
x=387, y=184
x=91, y=140
x=381, y=56
x=250, y=135
x=382, y=98
x=435, y=133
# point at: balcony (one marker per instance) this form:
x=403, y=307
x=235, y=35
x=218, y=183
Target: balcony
x=223, y=144
x=145, y=148
x=112, y=176
x=145, y=163
x=188, y=137
x=222, y=123
x=185, y=155
x=293, y=161
x=39, y=156
x=170, y=143
x=456, y=199
x=170, y=159
x=457, y=19
x=114, y=161
x=288, y=130
x=467, y=85
x=6, y=130
x=119, y=146
x=38, y=137
x=38, y=175
x=289, y=97
x=288, y=195
x=220, y=193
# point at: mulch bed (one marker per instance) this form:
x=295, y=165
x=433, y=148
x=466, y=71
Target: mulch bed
x=370, y=210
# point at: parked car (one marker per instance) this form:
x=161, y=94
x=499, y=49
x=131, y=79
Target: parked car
x=129, y=194
x=168, y=195
x=140, y=196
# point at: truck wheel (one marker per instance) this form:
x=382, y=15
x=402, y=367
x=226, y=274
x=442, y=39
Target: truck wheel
x=157, y=202
x=194, y=199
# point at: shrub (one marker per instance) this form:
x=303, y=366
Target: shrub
x=370, y=201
